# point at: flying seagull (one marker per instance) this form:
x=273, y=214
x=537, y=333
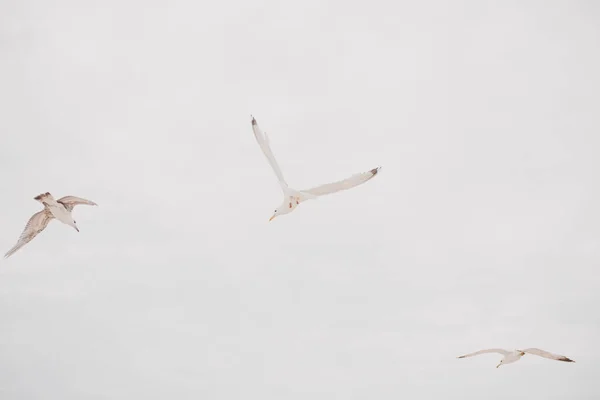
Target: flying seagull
x=514, y=356
x=59, y=209
x=291, y=197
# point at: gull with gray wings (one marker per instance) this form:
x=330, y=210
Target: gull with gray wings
x=514, y=356
x=292, y=197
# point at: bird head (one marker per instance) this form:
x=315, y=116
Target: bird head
x=285, y=208
x=275, y=213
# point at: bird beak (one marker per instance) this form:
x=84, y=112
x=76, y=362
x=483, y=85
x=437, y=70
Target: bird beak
x=270, y=219
x=498, y=365
x=77, y=229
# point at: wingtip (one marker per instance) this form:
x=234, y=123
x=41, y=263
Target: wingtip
x=374, y=171
x=253, y=120
x=566, y=359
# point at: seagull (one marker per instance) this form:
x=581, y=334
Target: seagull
x=59, y=209
x=515, y=355
x=291, y=197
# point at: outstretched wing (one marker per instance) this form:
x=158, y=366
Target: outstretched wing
x=345, y=184
x=71, y=201
x=35, y=225
x=546, y=354
x=263, y=142
x=501, y=351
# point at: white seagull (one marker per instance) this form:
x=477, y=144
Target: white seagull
x=59, y=209
x=515, y=355
x=291, y=197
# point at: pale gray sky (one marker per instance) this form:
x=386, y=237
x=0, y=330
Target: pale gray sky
x=482, y=229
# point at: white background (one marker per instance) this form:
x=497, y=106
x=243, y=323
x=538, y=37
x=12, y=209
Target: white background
x=481, y=230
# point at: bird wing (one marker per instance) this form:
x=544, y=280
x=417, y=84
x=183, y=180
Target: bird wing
x=71, y=201
x=546, y=354
x=263, y=142
x=35, y=225
x=501, y=351
x=345, y=184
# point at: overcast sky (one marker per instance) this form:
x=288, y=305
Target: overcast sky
x=481, y=230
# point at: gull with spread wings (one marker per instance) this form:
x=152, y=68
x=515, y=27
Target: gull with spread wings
x=59, y=209
x=291, y=197
x=514, y=356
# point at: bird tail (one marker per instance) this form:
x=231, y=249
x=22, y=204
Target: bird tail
x=46, y=198
x=40, y=197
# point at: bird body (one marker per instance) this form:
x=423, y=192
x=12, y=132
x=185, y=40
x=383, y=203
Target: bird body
x=291, y=197
x=511, y=357
x=58, y=210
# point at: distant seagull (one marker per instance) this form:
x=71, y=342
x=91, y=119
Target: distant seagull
x=514, y=356
x=291, y=197
x=59, y=209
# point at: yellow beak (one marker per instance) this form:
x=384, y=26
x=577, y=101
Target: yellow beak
x=270, y=219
